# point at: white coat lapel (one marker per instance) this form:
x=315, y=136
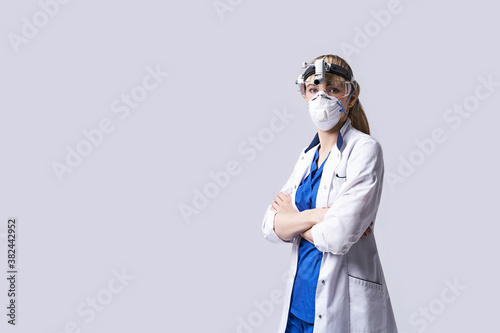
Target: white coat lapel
x=333, y=160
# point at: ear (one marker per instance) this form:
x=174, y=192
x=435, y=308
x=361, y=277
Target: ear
x=351, y=103
x=353, y=99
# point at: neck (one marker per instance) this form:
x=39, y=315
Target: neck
x=328, y=139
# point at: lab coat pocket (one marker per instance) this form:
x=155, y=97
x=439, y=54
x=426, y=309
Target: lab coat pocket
x=338, y=180
x=367, y=306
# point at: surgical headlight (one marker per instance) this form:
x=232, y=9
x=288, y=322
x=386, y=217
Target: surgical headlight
x=315, y=75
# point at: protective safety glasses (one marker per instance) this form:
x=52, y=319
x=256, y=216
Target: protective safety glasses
x=335, y=88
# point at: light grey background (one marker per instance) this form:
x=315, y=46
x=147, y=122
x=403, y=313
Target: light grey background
x=228, y=73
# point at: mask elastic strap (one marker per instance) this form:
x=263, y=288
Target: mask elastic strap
x=348, y=98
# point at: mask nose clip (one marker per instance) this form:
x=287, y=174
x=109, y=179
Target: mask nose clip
x=321, y=93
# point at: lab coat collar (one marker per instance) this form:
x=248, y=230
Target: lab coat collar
x=340, y=139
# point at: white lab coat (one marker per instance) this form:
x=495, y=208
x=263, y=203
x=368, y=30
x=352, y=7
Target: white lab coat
x=351, y=294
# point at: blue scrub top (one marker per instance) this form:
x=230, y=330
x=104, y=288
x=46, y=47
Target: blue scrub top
x=309, y=261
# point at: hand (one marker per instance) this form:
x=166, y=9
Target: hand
x=368, y=231
x=283, y=203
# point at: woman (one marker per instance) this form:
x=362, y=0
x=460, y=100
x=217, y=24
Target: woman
x=326, y=210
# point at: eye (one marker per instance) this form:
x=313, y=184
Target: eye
x=313, y=90
x=333, y=90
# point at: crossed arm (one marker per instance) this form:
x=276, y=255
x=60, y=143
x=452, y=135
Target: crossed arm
x=289, y=222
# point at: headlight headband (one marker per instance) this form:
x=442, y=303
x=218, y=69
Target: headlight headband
x=319, y=69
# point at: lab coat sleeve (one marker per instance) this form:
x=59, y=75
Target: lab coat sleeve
x=268, y=222
x=357, y=202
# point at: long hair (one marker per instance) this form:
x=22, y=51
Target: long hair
x=354, y=107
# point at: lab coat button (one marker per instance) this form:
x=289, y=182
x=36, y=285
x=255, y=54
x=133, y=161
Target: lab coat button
x=302, y=157
x=323, y=281
x=338, y=154
x=294, y=186
x=319, y=316
x=324, y=187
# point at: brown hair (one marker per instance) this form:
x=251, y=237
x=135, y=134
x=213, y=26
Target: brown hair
x=354, y=107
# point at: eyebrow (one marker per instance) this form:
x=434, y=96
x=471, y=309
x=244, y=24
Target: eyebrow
x=336, y=85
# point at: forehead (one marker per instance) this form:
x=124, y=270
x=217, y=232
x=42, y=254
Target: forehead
x=336, y=83
x=328, y=77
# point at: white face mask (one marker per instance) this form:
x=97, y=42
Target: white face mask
x=325, y=111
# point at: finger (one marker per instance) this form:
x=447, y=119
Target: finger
x=278, y=198
x=275, y=206
x=283, y=197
